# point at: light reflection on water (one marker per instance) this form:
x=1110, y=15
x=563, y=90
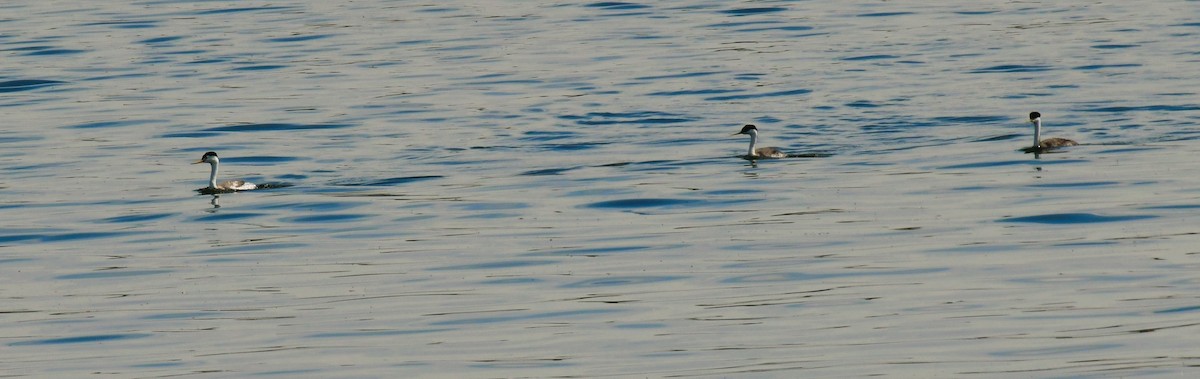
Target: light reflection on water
x=523, y=189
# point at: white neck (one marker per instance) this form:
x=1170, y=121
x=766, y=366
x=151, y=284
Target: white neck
x=753, y=141
x=1037, y=132
x=212, y=177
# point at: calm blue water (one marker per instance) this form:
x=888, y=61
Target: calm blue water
x=515, y=189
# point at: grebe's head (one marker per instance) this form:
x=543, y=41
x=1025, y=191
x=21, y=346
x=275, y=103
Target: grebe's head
x=1034, y=116
x=747, y=130
x=209, y=157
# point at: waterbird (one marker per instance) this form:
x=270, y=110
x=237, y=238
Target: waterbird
x=762, y=152
x=225, y=186
x=1035, y=118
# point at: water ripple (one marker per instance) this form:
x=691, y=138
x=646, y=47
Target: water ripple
x=82, y=339
x=1074, y=218
x=752, y=11
x=274, y=127
x=26, y=85
x=1010, y=68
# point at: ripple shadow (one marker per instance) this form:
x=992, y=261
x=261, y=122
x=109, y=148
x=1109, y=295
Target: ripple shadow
x=1074, y=218
x=81, y=339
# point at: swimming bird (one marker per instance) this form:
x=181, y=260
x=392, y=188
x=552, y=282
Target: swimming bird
x=226, y=186
x=762, y=152
x=1035, y=118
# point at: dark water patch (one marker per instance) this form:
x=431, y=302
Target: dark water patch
x=1074, y=218
x=81, y=339
x=21, y=139
x=548, y=171
x=243, y=9
x=26, y=85
x=111, y=124
x=573, y=146
x=208, y=61
x=29, y=48
x=119, y=76
x=799, y=276
x=228, y=216
x=1004, y=137
x=54, y=52
x=45, y=238
x=161, y=39
x=641, y=203
x=869, y=57
x=274, y=127
x=734, y=192
x=299, y=38
x=260, y=67
x=1153, y=108
x=974, y=13
x=790, y=28
x=377, y=333
x=142, y=24
x=862, y=104
x=496, y=265
x=258, y=159
x=1180, y=206
x=616, y=5
x=752, y=11
x=760, y=95
x=884, y=14
x=1114, y=46
x=112, y=273
x=559, y=316
x=629, y=280
x=1192, y=308
x=386, y=182
x=137, y=218
x=1006, y=68
x=36, y=167
x=693, y=92
x=327, y=218
x=636, y=118
x=676, y=76
x=1104, y=66
x=1074, y=184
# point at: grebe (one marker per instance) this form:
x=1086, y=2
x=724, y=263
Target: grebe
x=226, y=186
x=762, y=152
x=1035, y=118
